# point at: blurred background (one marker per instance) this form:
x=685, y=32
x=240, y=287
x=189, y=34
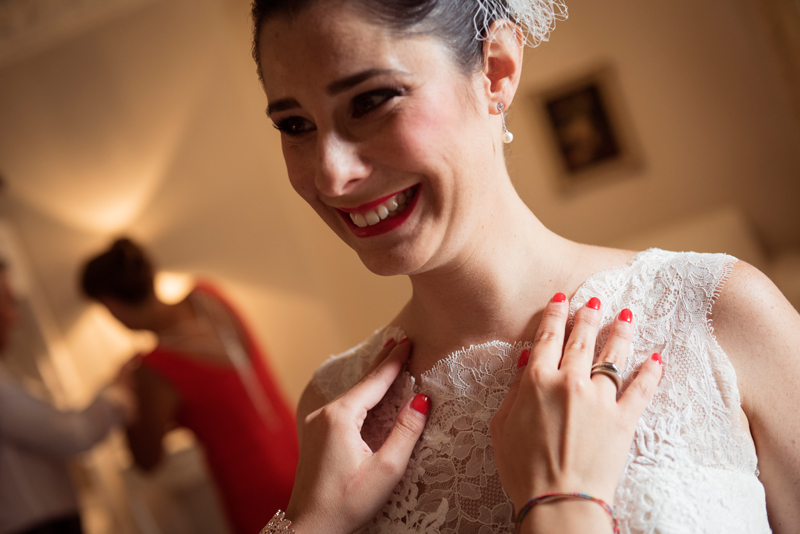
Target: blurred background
x=146, y=118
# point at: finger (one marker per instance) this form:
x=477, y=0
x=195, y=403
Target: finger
x=638, y=394
x=549, y=341
x=511, y=396
x=393, y=456
x=616, y=349
x=371, y=389
x=382, y=354
x=579, y=351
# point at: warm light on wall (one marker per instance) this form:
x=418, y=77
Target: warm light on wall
x=172, y=287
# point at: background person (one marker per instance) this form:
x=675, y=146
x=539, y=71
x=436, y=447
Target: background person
x=37, y=495
x=206, y=374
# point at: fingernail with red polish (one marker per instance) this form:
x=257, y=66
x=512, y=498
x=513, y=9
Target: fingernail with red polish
x=626, y=315
x=391, y=340
x=656, y=357
x=421, y=403
x=404, y=340
x=523, y=358
x=559, y=297
x=594, y=303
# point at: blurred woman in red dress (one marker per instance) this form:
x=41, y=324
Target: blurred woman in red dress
x=206, y=374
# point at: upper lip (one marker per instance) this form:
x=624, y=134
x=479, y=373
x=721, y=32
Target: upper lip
x=363, y=208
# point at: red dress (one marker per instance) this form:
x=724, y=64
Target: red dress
x=252, y=463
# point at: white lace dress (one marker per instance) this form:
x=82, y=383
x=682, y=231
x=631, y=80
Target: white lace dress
x=692, y=465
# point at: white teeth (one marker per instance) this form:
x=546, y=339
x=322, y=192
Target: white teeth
x=382, y=211
x=358, y=219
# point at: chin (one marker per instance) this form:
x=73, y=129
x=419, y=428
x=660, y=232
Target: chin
x=402, y=260
x=387, y=264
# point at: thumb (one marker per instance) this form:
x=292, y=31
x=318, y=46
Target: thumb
x=408, y=427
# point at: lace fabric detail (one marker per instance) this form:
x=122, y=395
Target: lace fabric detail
x=691, y=467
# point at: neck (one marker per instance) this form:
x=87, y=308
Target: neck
x=493, y=290
x=166, y=316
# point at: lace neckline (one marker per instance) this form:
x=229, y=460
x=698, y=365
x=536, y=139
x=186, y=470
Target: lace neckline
x=442, y=365
x=690, y=458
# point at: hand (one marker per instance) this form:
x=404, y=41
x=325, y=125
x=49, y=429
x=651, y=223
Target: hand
x=559, y=430
x=122, y=390
x=341, y=484
x=125, y=376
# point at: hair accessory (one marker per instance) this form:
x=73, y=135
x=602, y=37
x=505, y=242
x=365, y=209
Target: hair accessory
x=610, y=370
x=278, y=525
x=536, y=17
x=507, y=136
x=548, y=497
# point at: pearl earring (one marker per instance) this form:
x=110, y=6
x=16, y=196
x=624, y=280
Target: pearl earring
x=507, y=136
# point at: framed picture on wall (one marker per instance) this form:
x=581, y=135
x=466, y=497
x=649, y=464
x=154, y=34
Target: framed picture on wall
x=590, y=137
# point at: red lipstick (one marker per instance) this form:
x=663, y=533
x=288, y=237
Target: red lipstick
x=385, y=225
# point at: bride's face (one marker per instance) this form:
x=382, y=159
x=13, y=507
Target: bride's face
x=383, y=135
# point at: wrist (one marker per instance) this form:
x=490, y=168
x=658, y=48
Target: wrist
x=566, y=517
x=302, y=523
x=566, y=513
x=309, y=522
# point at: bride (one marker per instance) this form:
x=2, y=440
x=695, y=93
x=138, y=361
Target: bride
x=391, y=115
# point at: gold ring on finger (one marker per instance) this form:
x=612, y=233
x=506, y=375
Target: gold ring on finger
x=610, y=370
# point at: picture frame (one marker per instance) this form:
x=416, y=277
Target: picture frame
x=589, y=134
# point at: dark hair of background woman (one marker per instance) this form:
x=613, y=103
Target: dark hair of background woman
x=451, y=21
x=122, y=272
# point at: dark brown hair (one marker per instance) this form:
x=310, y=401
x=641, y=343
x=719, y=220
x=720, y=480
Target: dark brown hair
x=123, y=272
x=452, y=21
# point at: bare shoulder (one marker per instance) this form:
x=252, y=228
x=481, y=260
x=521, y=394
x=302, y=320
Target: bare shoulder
x=754, y=323
x=592, y=259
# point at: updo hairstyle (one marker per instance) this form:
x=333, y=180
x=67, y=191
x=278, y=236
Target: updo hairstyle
x=461, y=25
x=123, y=272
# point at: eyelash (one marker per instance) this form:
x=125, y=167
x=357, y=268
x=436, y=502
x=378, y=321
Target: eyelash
x=288, y=125
x=291, y=125
x=386, y=93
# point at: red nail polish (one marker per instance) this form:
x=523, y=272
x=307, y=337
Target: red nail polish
x=626, y=315
x=404, y=340
x=559, y=297
x=421, y=403
x=656, y=357
x=523, y=358
x=594, y=303
x=391, y=340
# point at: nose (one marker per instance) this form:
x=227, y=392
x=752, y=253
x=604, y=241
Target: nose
x=340, y=165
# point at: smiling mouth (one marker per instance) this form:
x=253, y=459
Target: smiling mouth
x=371, y=214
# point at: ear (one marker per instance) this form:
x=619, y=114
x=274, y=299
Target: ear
x=502, y=63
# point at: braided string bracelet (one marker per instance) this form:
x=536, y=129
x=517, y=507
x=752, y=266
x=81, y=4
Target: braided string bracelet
x=548, y=497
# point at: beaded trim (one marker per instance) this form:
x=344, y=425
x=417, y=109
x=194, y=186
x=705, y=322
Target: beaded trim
x=278, y=524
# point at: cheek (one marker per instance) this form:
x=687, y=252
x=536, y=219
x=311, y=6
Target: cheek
x=421, y=137
x=300, y=170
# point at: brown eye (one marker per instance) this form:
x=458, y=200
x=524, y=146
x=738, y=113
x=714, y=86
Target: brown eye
x=363, y=104
x=294, y=126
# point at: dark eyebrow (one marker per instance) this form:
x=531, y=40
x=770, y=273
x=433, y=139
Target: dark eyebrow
x=333, y=89
x=351, y=81
x=282, y=105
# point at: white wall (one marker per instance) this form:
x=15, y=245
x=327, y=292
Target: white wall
x=706, y=100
